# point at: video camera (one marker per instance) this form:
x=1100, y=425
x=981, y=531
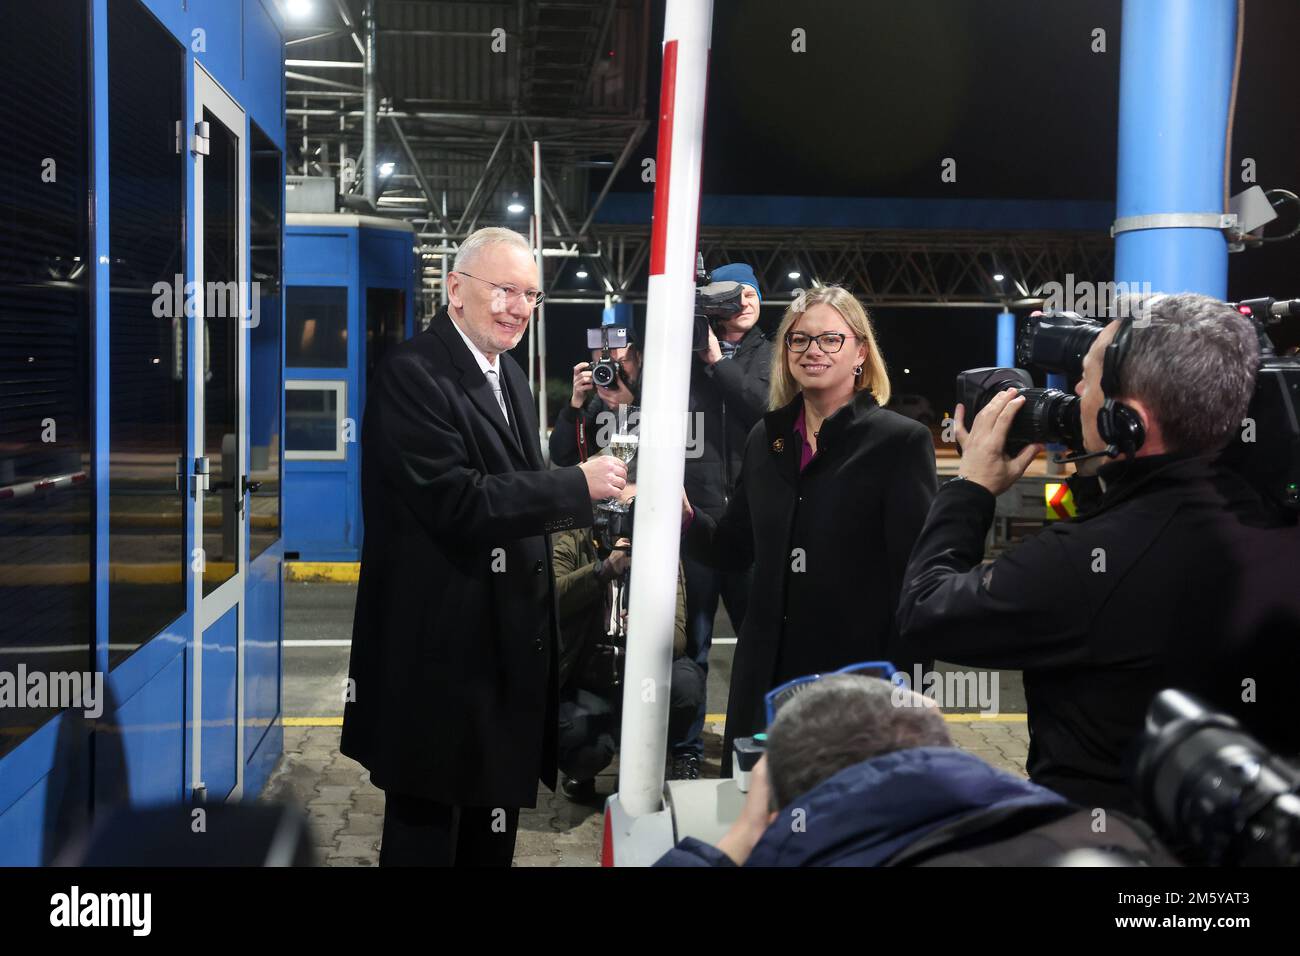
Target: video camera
x=714, y=302
x=1058, y=342
x=611, y=524
x=1211, y=786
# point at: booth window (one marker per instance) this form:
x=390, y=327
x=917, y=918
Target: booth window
x=46, y=412
x=316, y=326
x=313, y=420
x=266, y=229
x=148, y=380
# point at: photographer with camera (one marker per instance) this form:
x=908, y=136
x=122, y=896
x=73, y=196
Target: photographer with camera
x=730, y=381
x=1177, y=576
x=874, y=765
x=576, y=434
x=591, y=584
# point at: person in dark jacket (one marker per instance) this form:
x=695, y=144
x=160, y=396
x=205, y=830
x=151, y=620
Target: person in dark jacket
x=589, y=418
x=1177, y=578
x=730, y=382
x=452, y=694
x=586, y=578
x=833, y=492
x=857, y=770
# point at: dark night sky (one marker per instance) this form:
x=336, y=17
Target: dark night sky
x=1009, y=88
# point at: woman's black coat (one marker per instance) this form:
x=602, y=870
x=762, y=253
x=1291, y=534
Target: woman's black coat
x=829, y=547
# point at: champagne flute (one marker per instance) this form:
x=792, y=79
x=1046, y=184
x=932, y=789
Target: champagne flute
x=623, y=444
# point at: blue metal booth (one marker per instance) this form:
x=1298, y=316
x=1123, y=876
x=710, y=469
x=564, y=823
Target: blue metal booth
x=350, y=294
x=141, y=217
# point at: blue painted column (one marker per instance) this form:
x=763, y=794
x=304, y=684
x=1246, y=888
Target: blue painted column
x=1006, y=357
x=1176, y=61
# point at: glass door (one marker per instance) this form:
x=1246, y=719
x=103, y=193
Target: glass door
x=219, y=557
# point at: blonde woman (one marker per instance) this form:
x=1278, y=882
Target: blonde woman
x=832, y=495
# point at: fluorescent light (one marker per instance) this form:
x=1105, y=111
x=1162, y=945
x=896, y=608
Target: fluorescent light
x=515, y=207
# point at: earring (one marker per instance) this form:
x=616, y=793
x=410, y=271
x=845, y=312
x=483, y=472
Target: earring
x=857, y=371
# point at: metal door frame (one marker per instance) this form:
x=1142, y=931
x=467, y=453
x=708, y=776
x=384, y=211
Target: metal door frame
x=209, y=95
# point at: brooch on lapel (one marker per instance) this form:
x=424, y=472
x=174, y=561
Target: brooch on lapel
x=778, y=445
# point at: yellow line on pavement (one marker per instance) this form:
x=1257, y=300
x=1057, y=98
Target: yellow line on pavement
x=985, y=718
x=708, y=718
x=951, y=718
x=338, y=572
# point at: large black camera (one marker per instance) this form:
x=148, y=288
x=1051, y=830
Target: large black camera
x=1049, y=415
x=714, y=302
x=1054, y=342
x=1058, y=341
x=612, y=523
x=1272, y=463
x=1214, y=791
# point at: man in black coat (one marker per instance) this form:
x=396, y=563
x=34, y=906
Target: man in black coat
x=729, y=394
x=1175, y=579
x=452, y=697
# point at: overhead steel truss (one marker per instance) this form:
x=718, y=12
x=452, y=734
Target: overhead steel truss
x=882, y=267
x=459, y=162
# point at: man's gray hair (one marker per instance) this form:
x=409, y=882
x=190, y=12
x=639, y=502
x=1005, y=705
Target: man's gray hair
x=480, y=239
x=1192, y=361
x=843, y=720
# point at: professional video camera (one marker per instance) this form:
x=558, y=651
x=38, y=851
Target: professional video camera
x=714, y=301
x=1054, y=342
x=1211, y=786
x=611, y=523
x=1058, y=342
x=1272, y=464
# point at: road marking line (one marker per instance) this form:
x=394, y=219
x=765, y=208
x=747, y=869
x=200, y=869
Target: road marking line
x=338, y=572
x=708, y=719
x=951, y=718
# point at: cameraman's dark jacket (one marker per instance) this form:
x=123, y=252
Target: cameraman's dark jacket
x=1176, y=579
x=727, y=399
x=583, y=608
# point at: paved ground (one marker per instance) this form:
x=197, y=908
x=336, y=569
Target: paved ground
x=346, y=811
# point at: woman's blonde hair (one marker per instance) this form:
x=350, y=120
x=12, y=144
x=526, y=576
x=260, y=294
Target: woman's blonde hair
x=873, y=377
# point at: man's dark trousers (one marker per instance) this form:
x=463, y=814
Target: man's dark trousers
x=419, y=832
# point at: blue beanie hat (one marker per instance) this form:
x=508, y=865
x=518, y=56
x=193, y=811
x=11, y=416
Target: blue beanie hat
x=738, y=272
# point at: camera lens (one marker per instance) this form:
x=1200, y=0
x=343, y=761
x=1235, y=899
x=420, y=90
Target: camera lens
x=602, y=373
x=1049, y=416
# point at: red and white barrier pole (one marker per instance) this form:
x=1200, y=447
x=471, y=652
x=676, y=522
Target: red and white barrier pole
x=537, y=342
x=652, y=603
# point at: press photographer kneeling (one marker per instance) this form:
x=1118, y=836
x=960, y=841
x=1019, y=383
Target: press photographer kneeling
x=592, y=569
x=1178, y=576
